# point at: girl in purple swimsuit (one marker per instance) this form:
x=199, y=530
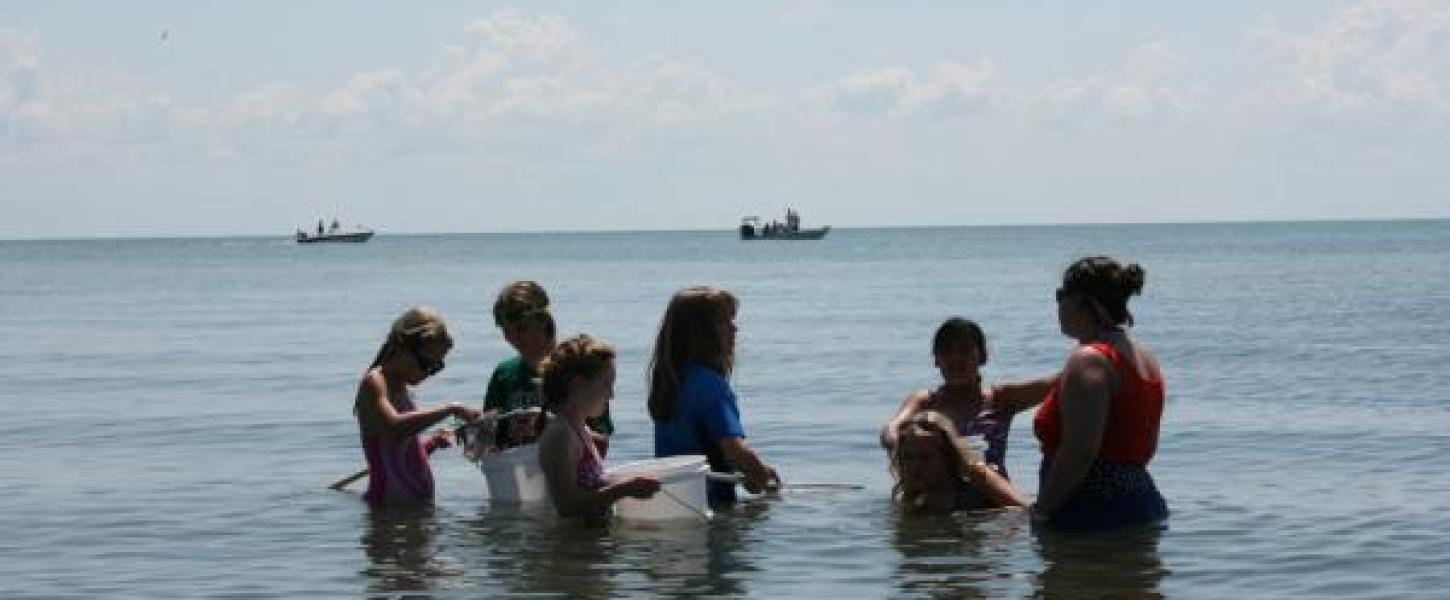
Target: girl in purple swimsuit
x=578, y=381
x=972, y=410
x=389, y=424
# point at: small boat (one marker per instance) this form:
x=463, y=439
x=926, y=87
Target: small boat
x=336, y=233
x=751, y=228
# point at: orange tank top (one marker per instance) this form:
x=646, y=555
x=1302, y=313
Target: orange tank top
x=1130, y=434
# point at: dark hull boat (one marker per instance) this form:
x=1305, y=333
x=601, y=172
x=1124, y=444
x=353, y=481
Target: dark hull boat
x=799, y=234
x=355, y=237
x=751, y=228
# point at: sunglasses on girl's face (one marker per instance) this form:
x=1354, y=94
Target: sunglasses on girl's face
x=429, y=366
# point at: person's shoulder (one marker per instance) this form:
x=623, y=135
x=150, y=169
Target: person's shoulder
x=1090, y=364
x=555, y=438
x=1091, y=354
x=511, y=367
x=373, y=380
x=702, y=374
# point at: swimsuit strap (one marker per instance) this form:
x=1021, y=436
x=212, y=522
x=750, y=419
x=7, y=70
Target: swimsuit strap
x=591, y=468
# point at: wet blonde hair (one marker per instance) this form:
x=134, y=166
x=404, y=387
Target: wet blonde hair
x=579, y=356
x=918, y=424
x=688, y=332
x=411, y=329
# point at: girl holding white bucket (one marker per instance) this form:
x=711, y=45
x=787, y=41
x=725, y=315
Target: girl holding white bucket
x=690, y=399
x=578, y=381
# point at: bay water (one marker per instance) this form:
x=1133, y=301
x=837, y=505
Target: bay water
x=174, y=409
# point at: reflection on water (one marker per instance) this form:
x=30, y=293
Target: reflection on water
x=1122, y=563
x=706, y=559
x=528, y=550
x=510, y=550
x=960, y=555
x=402, y=551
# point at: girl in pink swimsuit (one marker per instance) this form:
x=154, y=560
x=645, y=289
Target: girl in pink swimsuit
x=389, y=425
x=578, y=381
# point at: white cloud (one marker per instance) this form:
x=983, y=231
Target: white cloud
x=514, y=34
x=801, y=15
x=517, y=70
x=514, y=71
x=24, y=117
x=943, y=91
x=1382, y=64
x=1151, y=82
x=37, y=107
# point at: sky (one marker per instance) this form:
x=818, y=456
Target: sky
x=201, y=117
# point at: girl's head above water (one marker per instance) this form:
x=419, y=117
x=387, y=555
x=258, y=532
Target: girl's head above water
x=580, y=367
x=925, y=461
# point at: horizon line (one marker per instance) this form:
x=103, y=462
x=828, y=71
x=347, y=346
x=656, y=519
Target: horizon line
x=414, y=233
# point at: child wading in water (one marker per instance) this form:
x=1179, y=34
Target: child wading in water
x=578, y=383
x=937, y=470
x=388, y=422
x=690, y=399
x=522, y=313
x=969, y=408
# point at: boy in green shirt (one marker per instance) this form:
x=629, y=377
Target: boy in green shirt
x=522, y=313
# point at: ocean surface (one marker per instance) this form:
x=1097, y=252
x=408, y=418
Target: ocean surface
x=175, y=408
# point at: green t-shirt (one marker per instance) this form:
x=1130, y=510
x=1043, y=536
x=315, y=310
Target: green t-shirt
x=514, y=385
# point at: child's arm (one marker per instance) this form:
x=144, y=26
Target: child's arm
x=910, y=405
x=374, y=399
x=559, y=459
x=1016, y=396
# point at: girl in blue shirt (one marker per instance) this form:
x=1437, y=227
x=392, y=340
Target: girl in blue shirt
x=690, y=400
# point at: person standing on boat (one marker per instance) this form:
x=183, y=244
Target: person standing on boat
x=389, y=424
x=521, y=312
x=690, y=400
x=959, y=351
x=319, y=228
x=578, y=381
x=1099, y=423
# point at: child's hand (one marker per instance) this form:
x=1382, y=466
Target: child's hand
x=442, y=438
x=467, y=414
x=640, y=487
x=523, y=426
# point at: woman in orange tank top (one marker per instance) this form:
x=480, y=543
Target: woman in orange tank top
x=1099, y=423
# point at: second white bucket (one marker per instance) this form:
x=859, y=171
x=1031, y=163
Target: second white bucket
x=682, y=489
x=514, y=475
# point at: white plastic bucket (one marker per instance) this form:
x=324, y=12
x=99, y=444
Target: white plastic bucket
x=682, y=489
x=514, y=475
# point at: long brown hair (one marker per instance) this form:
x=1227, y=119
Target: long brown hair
x=688, y=332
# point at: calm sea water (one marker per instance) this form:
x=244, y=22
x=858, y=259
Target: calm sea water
x=174, y=409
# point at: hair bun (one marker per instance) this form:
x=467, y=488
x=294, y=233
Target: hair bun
x=1132, y=280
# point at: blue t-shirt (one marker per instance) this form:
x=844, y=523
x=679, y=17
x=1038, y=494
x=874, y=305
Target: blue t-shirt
x=704, y=412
